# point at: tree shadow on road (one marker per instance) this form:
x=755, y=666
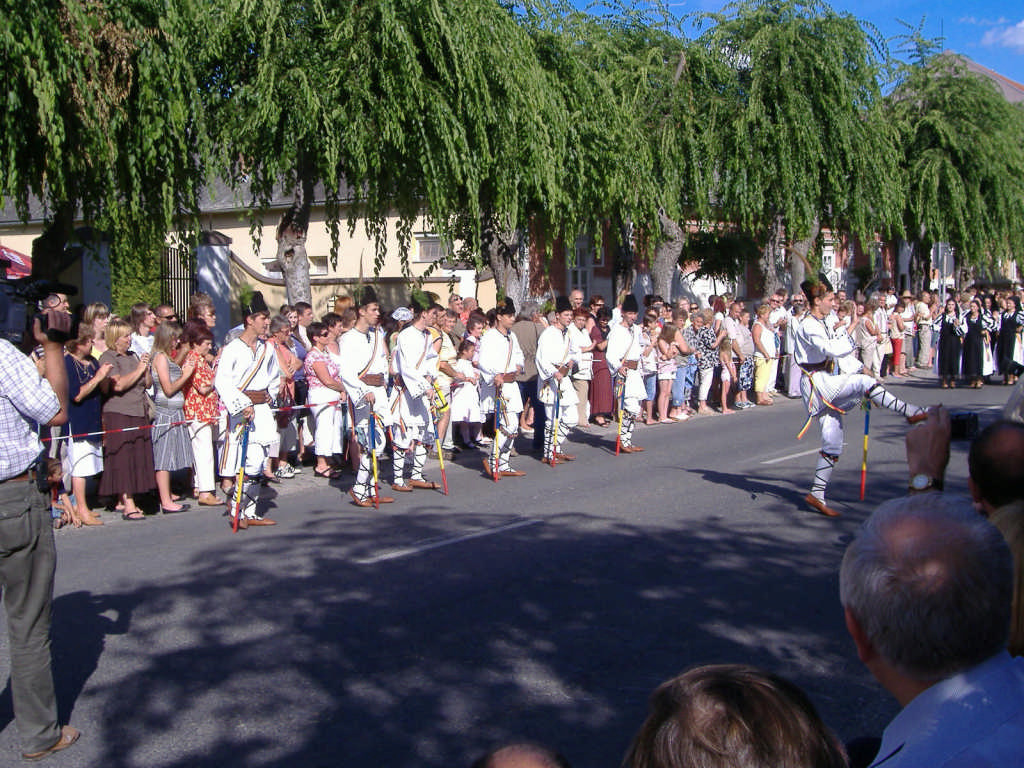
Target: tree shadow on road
x=317, y=647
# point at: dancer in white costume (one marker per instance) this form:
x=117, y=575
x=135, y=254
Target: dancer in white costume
x=415, y=363
x=625, y=343
x=832, y=383
x=557, y=353
x=501, y=358
x=248, y=379
x=364, y=372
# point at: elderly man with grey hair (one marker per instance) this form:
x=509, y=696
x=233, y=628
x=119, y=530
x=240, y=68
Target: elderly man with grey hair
x=926, y=587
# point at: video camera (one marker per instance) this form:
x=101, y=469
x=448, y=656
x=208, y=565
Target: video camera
x=18, y=302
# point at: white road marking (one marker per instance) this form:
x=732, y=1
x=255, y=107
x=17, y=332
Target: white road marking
x=429, y=544
x=792, y=456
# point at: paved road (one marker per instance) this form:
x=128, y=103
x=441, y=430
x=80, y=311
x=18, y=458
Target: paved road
x=546, y=607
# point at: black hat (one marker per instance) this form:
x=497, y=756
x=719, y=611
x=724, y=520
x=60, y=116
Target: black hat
x=506, y=308
x=255, y=305
x=629, y=304
x=368, y=296
x=562, y=304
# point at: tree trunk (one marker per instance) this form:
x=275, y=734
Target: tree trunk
x=798, y=251
x=666, y=255
x=509, y=262
x=291, y=242
x=771, y=265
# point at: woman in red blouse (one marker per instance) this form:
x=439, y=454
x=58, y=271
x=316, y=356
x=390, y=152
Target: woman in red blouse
x=201, y=409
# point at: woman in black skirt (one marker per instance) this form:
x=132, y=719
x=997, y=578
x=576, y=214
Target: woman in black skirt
x=974, y=343
x=951, y=335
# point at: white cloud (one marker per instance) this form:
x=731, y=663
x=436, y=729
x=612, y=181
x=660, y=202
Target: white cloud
x=1007, y=37
x=983, y=22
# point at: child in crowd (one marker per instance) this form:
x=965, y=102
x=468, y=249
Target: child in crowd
x=62, y=506
x=667, y=352
x=649, y=363
x=466, y=396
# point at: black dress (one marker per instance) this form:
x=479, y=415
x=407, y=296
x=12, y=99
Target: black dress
x=973, y=348
x=1007, y=338
x=949, y=346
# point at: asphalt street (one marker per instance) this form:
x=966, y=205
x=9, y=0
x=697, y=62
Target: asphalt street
x=546, y=607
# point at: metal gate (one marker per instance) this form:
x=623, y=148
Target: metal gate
x=177, y=278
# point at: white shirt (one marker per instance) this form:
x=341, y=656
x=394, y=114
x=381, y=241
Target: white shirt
x=499, y=353
x=414, y=359
x=243, y=368
x=364, y=352
x=815, y=342
x=973, y=719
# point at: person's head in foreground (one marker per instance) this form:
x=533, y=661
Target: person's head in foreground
x=732, y=716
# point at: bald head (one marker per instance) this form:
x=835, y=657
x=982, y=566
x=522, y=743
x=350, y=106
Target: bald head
x=996, y=465
x=522, y=755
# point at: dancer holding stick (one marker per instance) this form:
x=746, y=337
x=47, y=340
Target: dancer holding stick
x=832, y=383
x=501, y=358
x=364, y=372
x=625, y=344
x=247, y=380
x=557, y=353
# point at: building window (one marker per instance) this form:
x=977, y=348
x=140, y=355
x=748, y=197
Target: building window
x=317, y=265
x=581, y=271
x=431, y=248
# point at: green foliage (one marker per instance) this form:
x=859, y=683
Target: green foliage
x=962, y=160
x=99, y=116
x=722, y=255
x=797, y=130
x=422, y=105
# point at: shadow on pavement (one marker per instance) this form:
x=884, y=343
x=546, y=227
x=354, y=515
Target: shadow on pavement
x=285, y=651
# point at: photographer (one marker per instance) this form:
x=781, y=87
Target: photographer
x=27, y=553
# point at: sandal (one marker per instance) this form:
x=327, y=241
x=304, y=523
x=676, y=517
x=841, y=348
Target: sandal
x=329, y=474
x=136, y=515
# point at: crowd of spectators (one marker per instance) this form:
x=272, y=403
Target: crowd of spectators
x=149, y=369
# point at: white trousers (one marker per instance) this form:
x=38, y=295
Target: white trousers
x=204, y=463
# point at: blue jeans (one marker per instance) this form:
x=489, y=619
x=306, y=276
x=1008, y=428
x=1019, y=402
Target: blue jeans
x=682, y=387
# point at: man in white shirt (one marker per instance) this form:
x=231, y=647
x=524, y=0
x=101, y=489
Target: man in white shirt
x=625, y=344
x=926, y=587
x=364, y=372
x=778, y=319
x=248, y=378
x=501, y=358
x=556, y=355
x=415, y=363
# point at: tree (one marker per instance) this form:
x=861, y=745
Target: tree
x=422, y=106
x=962, y=159
x=99, y=121
x=799, y=137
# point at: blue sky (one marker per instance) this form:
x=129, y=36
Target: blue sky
x=991, y=32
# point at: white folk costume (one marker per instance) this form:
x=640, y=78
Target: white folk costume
x=500, y=353
x=625, y=346
x=831, y=385
x=248, y=376
x=466, y=395
x=414, y=365
x=364, y=371
x=557, y=351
